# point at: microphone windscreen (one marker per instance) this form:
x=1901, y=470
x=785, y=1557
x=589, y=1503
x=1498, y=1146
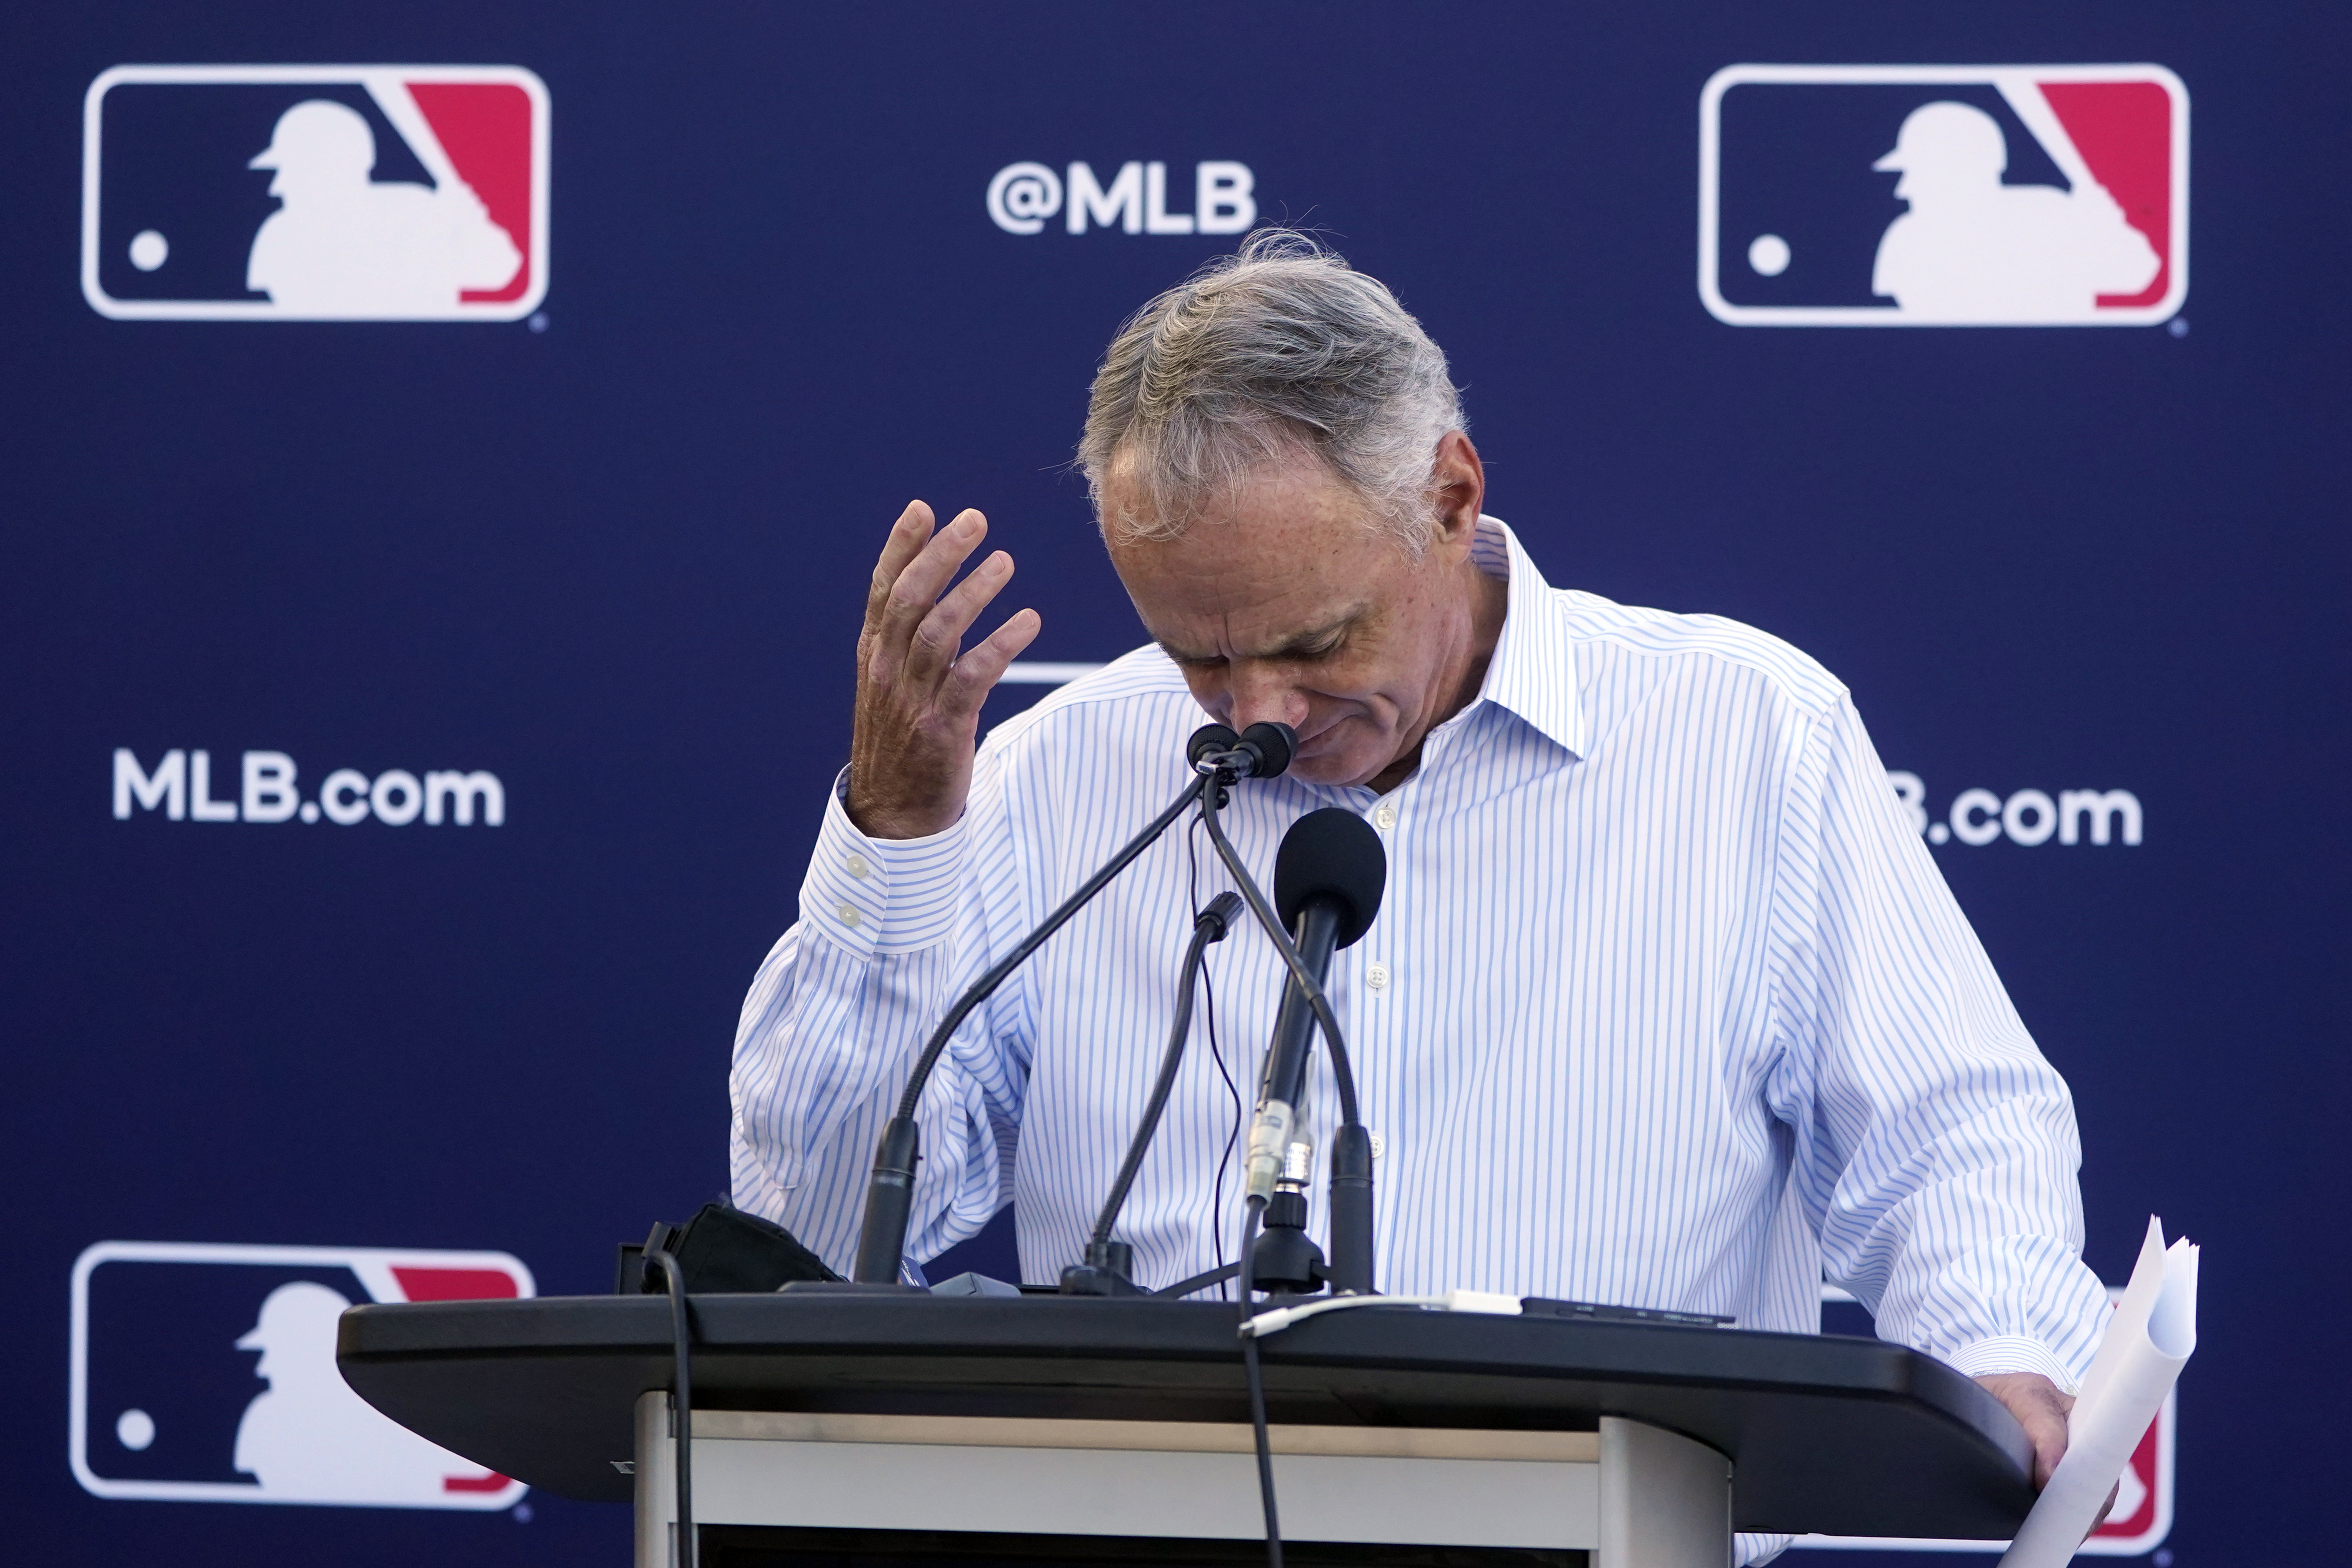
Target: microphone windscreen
x=1275, y=743
x=1331, y=853
x=1207, y=741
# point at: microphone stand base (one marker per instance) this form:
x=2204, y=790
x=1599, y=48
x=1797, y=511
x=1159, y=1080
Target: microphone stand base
x=1285, y=1261
x=1108, y=1270
x=1084, y=1280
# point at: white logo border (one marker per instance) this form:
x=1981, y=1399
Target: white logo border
x=372, y=1264
x=1710, y=105
x=105, y=304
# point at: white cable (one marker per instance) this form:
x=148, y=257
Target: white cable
x=1492, y=1302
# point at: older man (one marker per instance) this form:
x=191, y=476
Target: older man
x=1667, y=1006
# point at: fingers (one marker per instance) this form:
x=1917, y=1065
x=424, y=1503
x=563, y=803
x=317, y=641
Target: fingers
x=2041, y=1410
x=907, y=537
x=2047, y=1429
x=936, y=640
x=2047, y=1452
x=920, y=583
x=917, y=703
x=977, y=672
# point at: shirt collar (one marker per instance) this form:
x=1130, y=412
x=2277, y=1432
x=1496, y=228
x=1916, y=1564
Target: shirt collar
x=1533, y=672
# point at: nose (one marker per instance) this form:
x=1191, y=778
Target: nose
x=1262, y=693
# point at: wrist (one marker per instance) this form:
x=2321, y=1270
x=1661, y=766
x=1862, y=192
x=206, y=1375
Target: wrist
x=895, y=827
x=872, y=896
x=894, y=820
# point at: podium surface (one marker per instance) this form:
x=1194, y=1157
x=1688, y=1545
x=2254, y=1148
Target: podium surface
x=1823, y=1434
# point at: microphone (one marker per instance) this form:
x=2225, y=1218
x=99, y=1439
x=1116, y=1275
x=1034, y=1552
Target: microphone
x=890, y=1191
x=1261, y=751
x=1330, y=875
x=1208, y=741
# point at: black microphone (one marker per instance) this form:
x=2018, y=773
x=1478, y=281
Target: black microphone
x=1327, y=879
x=1209, y=741
x=890, y=1191
x=1261, y=751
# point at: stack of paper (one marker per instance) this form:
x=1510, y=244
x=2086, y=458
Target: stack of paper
x=2148, y=1342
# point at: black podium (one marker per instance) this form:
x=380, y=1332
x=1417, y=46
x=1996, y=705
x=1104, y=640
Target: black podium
x=896, y=1429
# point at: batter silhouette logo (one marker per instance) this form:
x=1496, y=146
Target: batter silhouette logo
x=315, y=192
x=1943, y=195
x=204, y=1372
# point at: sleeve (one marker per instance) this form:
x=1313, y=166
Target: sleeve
x=890, y=931
x=1935, y=1150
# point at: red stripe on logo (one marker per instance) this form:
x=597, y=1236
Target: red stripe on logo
x=485, y=127
x=2143, y=1464
x=2123, y=130
x=455, y=1284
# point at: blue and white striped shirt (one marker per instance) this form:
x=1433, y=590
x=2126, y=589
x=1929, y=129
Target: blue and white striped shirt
x=1667, y=1006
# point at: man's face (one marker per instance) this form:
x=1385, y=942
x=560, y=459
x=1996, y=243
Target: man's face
x=1283, y=602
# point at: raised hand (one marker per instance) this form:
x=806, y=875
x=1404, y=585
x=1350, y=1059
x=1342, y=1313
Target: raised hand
x=918, y=693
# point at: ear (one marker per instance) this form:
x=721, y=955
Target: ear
x=1458, y=494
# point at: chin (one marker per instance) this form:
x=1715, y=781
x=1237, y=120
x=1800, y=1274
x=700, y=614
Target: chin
x=1338, y=769
x=1322, y=771
x=1351, y=750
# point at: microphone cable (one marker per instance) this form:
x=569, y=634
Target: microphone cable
x=1341, y=1069
x=682, y=1440
x=1222, y=1271
x=1209, y=926
x=1200, y=1281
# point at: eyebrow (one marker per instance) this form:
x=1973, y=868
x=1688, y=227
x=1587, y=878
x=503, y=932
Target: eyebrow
x=1310, y=644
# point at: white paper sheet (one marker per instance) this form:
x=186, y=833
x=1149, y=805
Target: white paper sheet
x=2148, y=1341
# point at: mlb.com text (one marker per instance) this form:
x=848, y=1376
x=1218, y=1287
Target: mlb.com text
x=2027, y=816
x=181, y=787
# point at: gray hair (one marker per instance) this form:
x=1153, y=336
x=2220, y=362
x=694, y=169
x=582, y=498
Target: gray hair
x=1277, y=349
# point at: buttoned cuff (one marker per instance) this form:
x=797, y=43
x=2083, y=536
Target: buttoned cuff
x=870, y=895
x=2012, y=1352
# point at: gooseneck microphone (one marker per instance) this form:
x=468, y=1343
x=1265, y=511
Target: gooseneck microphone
x=1351, y=1268
x=1218, y=756
x=1261, y=751
x=1327, y=879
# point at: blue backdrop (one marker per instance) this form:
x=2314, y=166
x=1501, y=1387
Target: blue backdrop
x=613, y=555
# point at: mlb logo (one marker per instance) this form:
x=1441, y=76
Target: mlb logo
x=206, y=1373
x=1943, y=195
x=314, y=193
x=2142, y=1516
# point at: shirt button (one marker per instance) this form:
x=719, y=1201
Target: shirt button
x=848, y=913
x=856, y=866
x=1376, y=976
x=1385, y=817
x=1380, y=1145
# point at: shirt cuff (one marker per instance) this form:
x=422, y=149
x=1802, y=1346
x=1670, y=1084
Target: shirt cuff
x=2013, y=1352
x=870, y=895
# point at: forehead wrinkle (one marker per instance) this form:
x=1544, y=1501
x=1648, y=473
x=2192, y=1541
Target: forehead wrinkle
x=1290, y=646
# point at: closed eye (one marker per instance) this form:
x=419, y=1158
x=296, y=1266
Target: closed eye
x=1307, y=648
